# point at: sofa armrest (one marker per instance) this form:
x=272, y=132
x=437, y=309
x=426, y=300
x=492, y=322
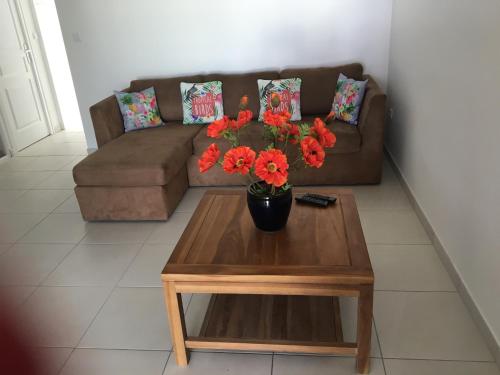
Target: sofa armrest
x=107, y=120
x=372, y=117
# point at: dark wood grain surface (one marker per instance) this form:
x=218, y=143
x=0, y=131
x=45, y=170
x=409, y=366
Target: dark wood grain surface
x=222, y=240
x=264, y=317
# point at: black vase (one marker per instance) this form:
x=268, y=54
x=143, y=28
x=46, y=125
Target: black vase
x=269, y=212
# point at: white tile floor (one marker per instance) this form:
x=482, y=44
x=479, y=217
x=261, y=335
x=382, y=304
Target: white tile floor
x=90, y=297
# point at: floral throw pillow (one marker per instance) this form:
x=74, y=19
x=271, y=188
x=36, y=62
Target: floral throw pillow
x=202, y=102
x=349, y=95
x=288, y=91
x=139, y=109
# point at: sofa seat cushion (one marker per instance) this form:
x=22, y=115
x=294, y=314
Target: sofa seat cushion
x=250, y=136
x=348, y=137
x=172, y=133
x=150, y=157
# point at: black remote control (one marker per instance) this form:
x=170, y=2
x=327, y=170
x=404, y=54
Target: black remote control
x=320, y=196
x=312, y=201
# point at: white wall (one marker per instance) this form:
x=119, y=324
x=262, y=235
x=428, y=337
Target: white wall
x=53, y=43
x=111, y=42
x=444, y=79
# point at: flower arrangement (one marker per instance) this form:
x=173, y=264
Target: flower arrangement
x=268, y=170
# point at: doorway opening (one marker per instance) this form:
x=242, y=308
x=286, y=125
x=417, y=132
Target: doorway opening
x=55, y=51
x=37, y=96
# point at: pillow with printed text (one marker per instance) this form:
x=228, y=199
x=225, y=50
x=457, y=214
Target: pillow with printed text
x=289, y=94
x=201, y=102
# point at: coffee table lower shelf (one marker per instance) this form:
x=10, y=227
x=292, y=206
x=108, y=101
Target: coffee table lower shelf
x=298, y=324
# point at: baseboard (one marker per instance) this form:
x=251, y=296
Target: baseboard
x=478, y=318
x=91, y=150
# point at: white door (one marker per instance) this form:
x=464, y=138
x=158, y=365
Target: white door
x=21, y=105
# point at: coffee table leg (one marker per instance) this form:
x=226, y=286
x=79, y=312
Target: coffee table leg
x=176, y=321
x=365, y=313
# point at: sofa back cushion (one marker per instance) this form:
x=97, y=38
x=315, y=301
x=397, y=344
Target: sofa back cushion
x=318, y=85
x=234, y=86
x=317, y=89
x=168, y=94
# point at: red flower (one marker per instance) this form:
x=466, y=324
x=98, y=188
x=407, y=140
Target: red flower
x=238, y=160
x=216, y=128
x=325, y=137
x=244, y=102
x=209, y=158
x=313, y=153
x=276, y=119
x=244, y=117
x=272, y=167
x=290, y=131
x=293, y=134
x=272, y=119
x=232, y=124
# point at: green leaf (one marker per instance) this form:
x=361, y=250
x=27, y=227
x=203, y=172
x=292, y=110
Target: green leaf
x=269, y=147
x=304, y=130
x=286, y=187
x=127, y=99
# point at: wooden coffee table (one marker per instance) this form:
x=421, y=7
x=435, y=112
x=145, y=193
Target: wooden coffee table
x=272, y=291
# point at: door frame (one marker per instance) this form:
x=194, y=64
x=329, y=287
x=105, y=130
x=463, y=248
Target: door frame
x=27, y=19
x=5, y=139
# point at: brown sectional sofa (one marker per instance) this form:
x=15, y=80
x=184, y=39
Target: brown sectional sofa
x=143, y=175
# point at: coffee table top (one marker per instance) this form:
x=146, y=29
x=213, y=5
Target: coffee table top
x=318, y=245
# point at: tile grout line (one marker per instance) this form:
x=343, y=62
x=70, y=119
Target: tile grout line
x=48, y=275
x=400, y=243
x=63, y=258
x=113, y=288
x=414, y=291
x=45, y=217
x=66, y=361
x=60, y=169
x=67, y=199
x=48, y=213
x=41, y=282
x=54, y=172
x=34, y=226
x=166, y=363
x=141, y=247
x=94, y=318
x=107, y=349
x=464, y=293
x=30, y=188
x=439, y=360
x=379, y=345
